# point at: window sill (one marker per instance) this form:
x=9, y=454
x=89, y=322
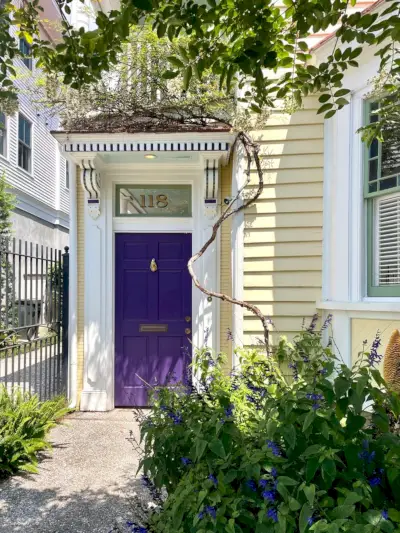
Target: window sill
x=373, y=305
x=4, y=157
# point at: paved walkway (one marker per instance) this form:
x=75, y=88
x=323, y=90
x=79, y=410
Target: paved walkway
x=83, y=486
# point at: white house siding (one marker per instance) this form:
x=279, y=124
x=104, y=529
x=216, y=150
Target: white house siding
x=41, y=195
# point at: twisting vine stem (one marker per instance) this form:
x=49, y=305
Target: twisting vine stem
x=236, y=205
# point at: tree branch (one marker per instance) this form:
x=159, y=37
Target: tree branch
x=251, y=150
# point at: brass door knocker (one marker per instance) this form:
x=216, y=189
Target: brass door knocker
x=153, y=265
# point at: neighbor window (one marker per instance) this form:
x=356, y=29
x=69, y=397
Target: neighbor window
x=25, y=50
x=382, y=193
x=67, y=174
x=25, y=143
x=3, y=135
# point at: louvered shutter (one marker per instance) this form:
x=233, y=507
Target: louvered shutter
x=388, y=240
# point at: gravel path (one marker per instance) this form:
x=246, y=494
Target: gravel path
x=83, y=486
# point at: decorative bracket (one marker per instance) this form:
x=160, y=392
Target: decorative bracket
x=211, y=183
x=91, y=183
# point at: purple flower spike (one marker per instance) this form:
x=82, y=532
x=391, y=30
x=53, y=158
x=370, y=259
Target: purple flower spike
x=273, y=514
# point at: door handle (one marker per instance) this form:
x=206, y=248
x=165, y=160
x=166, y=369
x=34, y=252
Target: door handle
x=153, y=265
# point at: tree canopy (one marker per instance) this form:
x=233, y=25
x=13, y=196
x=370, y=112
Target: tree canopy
x=257, y=45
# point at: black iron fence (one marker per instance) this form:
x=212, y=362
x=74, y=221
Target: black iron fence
x=33, y=317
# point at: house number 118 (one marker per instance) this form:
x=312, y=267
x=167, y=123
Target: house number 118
x=161, y=200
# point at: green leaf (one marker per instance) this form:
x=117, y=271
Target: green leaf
x=305, y=514
x=217, y=448
x=201, y=445
x=308, y=420
x=311, y=468
x=342, y=511
x=187, y=75
x=289, y=434
x=324, y=98
x=351, y=498
x=287, y=481
x=315, y=449
x=230, y=476
x=176, y=62
x=309, y=491
x=373, y=517
x=145, y=5
x=342, y=385
x=294, y=505
x=341, y=92
x=330, y=114
x=170, y=74
x=324, y=108
x=328, y=469
x=394, y=515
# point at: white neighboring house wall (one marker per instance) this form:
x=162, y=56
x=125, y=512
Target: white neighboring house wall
x=42, y=211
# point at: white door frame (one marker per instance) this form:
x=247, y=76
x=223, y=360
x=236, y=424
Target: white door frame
x=99, y=348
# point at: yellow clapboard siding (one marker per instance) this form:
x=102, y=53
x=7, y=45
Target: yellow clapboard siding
x=289, y=176
x=296, y=190
x=300, y=309
x=286, y=206
x=255, y=339
x=314, y=146
x=284, y=249
x=283, y=264
x=283, y=279
x=225, y=269
x=289, y=294
x=283, y=229
x=280, y=235
x=281, y=323
x=269, y=162
x=290, y=133
x=283, y=220
x=301, y=117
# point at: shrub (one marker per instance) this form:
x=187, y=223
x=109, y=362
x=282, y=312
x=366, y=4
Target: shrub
x=294, y=442
x=24, y=423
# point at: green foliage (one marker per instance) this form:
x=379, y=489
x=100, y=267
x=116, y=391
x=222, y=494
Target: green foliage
x=281, y=445
x=24, y=423
x=238, y=41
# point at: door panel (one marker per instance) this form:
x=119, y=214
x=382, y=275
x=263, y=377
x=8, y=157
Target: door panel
x=150, y=312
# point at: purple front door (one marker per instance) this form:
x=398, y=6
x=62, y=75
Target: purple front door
x=153, y=313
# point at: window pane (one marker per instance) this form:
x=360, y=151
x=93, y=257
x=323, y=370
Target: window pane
x=21, y=128
x=24, y=157
x=390, y=157
x=388, y=183
x=28, y=127
x=373, y=150
x=373, y=187
x=154, y=201
x=373, y=170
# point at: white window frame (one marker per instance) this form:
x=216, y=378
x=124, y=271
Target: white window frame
x=22, y=169
x=7, y=130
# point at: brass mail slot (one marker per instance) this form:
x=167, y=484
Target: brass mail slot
x=147, y=328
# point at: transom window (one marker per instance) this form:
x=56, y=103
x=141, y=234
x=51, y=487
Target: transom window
x=25, y=50
x=25, y=143
x=3, y=135
x=382, y=193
